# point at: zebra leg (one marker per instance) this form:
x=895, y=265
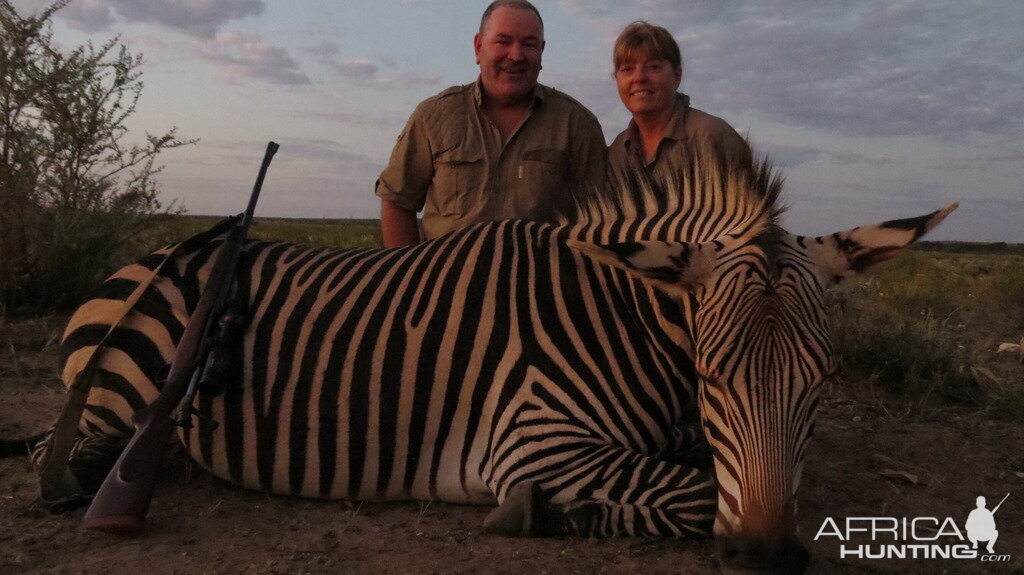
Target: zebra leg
x=687, y=446
x=91, y=459
x=521, y=514
x=610, y=492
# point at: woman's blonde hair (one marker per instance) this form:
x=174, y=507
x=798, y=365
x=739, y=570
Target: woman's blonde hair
x=655, y=41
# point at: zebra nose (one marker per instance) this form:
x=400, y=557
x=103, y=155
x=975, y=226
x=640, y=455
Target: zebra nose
x=748, y=556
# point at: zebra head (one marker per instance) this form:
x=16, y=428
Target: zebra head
x=762, y=351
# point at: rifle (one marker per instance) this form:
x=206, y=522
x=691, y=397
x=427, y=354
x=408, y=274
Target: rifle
x=996, y=508
x=121, y=504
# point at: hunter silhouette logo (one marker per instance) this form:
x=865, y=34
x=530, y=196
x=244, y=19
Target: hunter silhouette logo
x=981, y=524
x=917, y=537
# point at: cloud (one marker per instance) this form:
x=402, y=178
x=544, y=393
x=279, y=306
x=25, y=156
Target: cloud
x=790, y=156
x=248, y=56
x=873, y=68
x=201, y=18
x=88, y=15
x=391, y=123
x=855, y=158
x=324, y=49
x=320, y=149
x=591, y=8
x=362, y=72
x=328, y=152
x=417, y=79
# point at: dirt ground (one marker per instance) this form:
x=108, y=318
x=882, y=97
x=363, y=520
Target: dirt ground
x=869, y=458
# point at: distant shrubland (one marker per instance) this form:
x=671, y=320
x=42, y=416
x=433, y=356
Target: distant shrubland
x=926, y=326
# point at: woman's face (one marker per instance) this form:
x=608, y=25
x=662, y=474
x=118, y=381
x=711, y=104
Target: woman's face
x=647, y=86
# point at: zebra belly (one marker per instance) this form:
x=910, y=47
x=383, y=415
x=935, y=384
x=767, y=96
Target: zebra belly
x=307, y=464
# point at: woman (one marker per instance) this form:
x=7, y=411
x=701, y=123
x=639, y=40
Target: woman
x=648, y=71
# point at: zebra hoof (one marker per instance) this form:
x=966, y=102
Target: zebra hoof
x=519, y=514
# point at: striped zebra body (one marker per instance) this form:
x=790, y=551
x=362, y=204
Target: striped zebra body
x=488, y=345
x=578, y=374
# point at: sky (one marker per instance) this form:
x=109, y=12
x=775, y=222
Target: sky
x=874, y=110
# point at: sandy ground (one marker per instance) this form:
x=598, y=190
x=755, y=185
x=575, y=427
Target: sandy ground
x=869, y=458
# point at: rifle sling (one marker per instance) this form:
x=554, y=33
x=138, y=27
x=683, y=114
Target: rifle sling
x=57, y=483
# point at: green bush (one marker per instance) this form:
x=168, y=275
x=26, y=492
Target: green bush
x=927, y=325
x=73, y=192
x=912, y=354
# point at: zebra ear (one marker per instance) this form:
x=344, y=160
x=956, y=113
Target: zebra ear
x=675, y=267
x=844, y=254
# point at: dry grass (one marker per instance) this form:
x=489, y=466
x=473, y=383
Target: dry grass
x=928, y=325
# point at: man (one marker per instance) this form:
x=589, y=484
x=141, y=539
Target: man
x=981, y=524
x=501, y=147
x=648, y=71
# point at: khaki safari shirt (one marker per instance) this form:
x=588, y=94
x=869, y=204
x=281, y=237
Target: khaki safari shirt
x=450, y=161
x=688, y=125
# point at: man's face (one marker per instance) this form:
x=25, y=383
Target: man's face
x=509, y=52
x=647, y=86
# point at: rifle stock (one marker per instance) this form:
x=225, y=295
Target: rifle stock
x=121, y=504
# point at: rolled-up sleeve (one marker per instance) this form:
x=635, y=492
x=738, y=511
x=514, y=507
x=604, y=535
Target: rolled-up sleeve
x=407, y=177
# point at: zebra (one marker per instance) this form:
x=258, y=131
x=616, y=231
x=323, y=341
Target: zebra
x=650, y=365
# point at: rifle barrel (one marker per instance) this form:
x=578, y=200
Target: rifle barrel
x=996, y=508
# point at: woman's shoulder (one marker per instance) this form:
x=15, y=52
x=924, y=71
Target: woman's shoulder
x=698, y=121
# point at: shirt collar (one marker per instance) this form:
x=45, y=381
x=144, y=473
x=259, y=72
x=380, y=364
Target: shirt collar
x=676, y=129
x=478, y=93
x=677, y=126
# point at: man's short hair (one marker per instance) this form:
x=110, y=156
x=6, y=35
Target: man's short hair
x=516, y=4
x=655, y=41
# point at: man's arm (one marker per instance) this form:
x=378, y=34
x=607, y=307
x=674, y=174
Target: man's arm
x=398, y=225
x=402, y=186
x=590, y=160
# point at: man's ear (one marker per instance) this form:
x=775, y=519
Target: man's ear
x=675, y=267
x=844, y=254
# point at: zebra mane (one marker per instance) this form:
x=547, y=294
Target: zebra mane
x=715, y=194
x=200, y=239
